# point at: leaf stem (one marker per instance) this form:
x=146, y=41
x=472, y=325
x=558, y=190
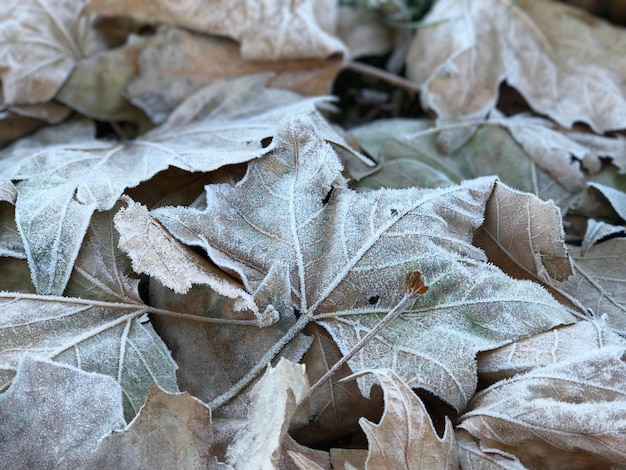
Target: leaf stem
x=291, y=333
x=384, y=76
x=393, y=313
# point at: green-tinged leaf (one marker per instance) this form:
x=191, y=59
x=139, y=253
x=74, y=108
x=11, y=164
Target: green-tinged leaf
x=100, y=327
x=65, y=174
x=408, y=155
x=347, y=255
x=53, y=415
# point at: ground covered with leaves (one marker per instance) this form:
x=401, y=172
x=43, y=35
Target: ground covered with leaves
x=209, y=261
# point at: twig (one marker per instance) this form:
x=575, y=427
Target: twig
x=415, y=287
x=384, y=76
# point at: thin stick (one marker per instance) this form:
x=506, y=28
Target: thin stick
x=384, y=76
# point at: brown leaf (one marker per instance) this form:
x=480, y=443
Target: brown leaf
x=565, y=63
x=524, y=236
x=266, y=29
x=173, y=65
x=154, y=252
x=170, y=431
x=575, y=409
x=544, y=349
x=405, y=438
x=40, y=42
x=474, y=455
x=274, y=401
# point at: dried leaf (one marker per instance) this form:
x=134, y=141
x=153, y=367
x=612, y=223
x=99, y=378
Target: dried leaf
x=154, y=252
x=172, y=66
x=170, y=431
x=53, y=415
x=408, y=156
x=40, y=42
x=10, y=240
x=544, y=349
x=524, y=236
x=597, y=231
x=275, y=399
x=574, y=407
x=347, y=255
x=599, y=280
x=66, y=174
x=405, y=438
x=565, y=63
x=99, y=327
x=616, y=198
x=363, y=33
x=266, y=29
x=473, y=455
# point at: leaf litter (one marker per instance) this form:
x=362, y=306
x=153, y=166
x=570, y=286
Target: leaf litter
x=278, y=243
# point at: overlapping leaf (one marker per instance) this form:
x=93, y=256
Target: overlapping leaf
x=347, y=255
x=566, y=64
x=65, y=174
x=100, y=326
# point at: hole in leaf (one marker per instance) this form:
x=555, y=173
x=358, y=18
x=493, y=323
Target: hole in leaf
x=266, y=141
x=394, y=212
x=373, y=300
x=327, y=197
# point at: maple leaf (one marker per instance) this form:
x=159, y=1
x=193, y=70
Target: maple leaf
x=40, y=41
x=565, y=63
x=561, y=412
x=405, y=438
x=266, y=29
x=65, y=174
x=99, y=326
x=347, y=255
x=54, y=415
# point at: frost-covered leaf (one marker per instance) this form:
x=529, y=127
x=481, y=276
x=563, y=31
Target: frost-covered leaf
x=173, y=65
x=40, y=41
x=405, y=438
x=524, y=236
x=575, y=409
x=347, y=253
x=154, y=252
x=53, y=415
x=266, y=29
x=544, y=349
x=170, y=431
x=566, y=64
x=599, y=280
x=274, y=401
x=598, y=230
x=408, y=155
x=10, y=240
x=615, y=197
x=65, y=174
x=100, y=326
x=474, y=456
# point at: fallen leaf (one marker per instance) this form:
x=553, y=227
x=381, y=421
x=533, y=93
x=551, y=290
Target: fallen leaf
x=599, y=281
x=407, y=153
x=598, y=230
x=405, y=438
x=100, y=325
x=544, y=349
x=266, y=29
x=574, y=409
x=346, y=255
x=348, y=459
x=363, y=32
x=170, y=431
x=172, y=66
x=474, y=455
x=65, y=174
x=524, y=236
x=565, y=63
x=274, y=401
x=53, y=415
x=616, y=198
x=155, y=253
x=40, y=41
